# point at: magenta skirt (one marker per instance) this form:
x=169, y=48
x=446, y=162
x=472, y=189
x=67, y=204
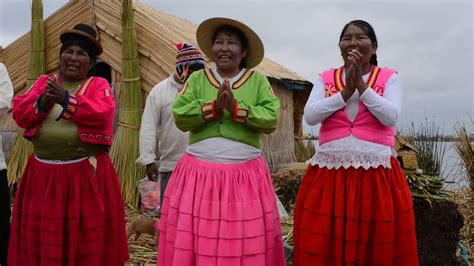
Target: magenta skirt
x=68, y=215
x=220, y=214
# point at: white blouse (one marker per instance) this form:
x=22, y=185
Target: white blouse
x=351, y=151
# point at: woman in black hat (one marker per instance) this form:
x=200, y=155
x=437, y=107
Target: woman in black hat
x=69, y=209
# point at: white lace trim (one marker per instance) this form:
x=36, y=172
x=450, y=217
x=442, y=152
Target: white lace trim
x=60, y=161
x=336, y=160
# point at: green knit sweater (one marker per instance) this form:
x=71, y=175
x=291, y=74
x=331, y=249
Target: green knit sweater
x=256, y=112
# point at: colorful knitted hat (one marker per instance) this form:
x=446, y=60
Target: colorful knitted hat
x=186, y=56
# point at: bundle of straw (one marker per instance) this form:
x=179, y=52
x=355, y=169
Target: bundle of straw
x=22, y=148
x=426, y=186
x=125, y=149
x=465, y=149
x=466, y=152
x=286, y=181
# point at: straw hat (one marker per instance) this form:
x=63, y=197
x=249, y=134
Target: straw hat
x=83, y=32
x=207, y=29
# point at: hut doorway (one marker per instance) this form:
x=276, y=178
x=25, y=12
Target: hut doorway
x=103, y=70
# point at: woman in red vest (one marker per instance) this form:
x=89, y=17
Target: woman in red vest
x=354, y=206
x=69, y=208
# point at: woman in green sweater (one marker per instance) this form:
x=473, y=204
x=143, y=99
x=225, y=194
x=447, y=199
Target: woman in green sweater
x=220, y=206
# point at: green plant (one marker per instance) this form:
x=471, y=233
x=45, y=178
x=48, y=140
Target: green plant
x=428, y=139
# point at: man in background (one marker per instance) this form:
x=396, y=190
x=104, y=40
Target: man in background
x=160, y=139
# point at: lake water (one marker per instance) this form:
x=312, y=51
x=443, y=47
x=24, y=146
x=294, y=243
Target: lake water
x=453, y=169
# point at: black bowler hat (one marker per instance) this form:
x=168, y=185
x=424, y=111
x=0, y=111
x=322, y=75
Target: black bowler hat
x=83, y=32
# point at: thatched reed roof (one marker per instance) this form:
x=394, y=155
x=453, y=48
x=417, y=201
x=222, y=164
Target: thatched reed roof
x=155, y=30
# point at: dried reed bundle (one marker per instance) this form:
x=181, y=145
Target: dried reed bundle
x=465, y=150
x=125, y=149
x=427, y=187
x=22, y=148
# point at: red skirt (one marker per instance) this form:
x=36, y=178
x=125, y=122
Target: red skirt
x=65, y=214
x=355, y=217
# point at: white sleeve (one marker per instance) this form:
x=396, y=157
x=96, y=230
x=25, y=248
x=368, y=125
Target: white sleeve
x=6, y=91
x=385, y=108
x=318, y=107
x=149, y=129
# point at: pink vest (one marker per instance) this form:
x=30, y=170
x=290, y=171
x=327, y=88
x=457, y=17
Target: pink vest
x=365, y=126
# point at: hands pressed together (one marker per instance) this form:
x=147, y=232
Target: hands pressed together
x=225, y=99
x=54, y=94
x=354, y=75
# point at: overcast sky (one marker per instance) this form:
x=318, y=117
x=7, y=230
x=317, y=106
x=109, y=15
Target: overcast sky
x=429, y=43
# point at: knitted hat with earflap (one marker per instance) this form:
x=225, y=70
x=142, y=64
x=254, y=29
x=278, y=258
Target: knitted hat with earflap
x=186, y=56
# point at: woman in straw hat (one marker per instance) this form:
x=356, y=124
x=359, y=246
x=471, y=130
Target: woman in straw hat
x=220, y=206
x=354, y=206
x=69, y=209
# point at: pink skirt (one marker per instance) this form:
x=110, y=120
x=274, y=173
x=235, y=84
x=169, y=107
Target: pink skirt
x=220, y=214
x=65, y=214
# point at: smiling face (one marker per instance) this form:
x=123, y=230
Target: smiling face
x=355, y=37
x=228, y=53
x=75, y=63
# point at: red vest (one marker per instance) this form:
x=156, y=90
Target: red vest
x=365, y=125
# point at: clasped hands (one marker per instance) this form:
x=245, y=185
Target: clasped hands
x=354, y=75
x=225, y=99
x=54, y=94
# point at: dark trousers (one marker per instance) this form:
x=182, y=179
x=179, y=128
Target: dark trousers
x=164, y=178
x=4, y=216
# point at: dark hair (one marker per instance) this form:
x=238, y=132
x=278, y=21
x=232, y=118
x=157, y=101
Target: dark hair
x=86, y=46
x=369, y=31
x=230, y=30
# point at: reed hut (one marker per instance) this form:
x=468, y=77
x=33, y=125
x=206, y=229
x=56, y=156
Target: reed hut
x=155, y=32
